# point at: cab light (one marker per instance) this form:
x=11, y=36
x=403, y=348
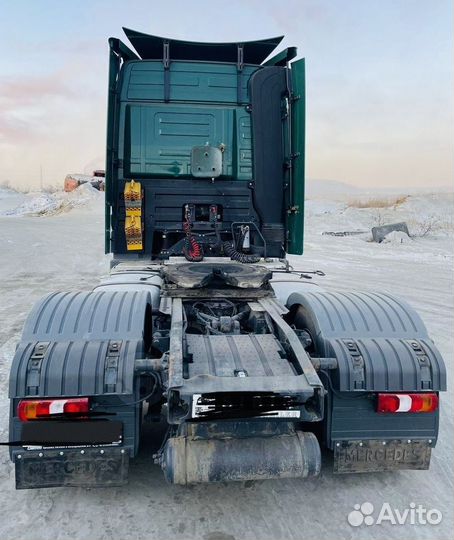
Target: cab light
x=37, y=409
x=407, y=403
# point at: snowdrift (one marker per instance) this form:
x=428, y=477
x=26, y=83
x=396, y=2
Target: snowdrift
x=425, y=214
x=41, y=204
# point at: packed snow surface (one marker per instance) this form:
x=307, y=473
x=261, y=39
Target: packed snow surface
x=55, y=242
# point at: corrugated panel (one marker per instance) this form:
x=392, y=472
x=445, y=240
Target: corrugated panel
x=361, y=314
x=380, y=342
x=86, y=315
x=75, y=330
x=220, y=356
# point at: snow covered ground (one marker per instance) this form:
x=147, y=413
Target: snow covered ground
x=62, y=249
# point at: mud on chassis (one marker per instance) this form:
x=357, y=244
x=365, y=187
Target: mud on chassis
x=200, y=322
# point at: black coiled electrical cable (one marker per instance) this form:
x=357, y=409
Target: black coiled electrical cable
x=236, y=255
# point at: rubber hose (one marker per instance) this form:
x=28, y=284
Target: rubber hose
x=236, y=255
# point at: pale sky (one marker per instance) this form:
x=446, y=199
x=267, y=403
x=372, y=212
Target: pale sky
x=379, y=80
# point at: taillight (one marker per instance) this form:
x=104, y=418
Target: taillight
x=36, y=409
x=402, y=403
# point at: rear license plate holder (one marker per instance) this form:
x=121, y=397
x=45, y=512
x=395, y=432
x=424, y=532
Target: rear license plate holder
x=71, y=432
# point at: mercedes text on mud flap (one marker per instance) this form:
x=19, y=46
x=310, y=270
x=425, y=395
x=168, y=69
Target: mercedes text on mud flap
x=200, y=324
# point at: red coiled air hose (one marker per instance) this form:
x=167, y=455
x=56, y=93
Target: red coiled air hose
x=192, y=250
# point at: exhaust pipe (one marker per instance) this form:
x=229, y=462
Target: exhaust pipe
x=190, y=461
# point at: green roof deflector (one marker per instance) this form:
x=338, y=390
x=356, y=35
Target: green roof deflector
x=151, y=48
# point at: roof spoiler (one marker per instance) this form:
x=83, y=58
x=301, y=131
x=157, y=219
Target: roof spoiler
x=155, y=47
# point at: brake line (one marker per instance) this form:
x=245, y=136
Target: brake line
x=192, y=250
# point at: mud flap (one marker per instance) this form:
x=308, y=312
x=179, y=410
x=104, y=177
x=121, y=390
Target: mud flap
x=88, y=467
x=378, y=456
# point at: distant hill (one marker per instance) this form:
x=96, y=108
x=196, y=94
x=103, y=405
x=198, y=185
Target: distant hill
x=336, y=190
x=326, y=188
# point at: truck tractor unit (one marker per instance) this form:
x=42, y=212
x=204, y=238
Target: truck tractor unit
x=202, y=323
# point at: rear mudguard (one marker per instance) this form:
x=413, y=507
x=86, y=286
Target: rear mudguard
x=380, y=345
x=83, y=344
